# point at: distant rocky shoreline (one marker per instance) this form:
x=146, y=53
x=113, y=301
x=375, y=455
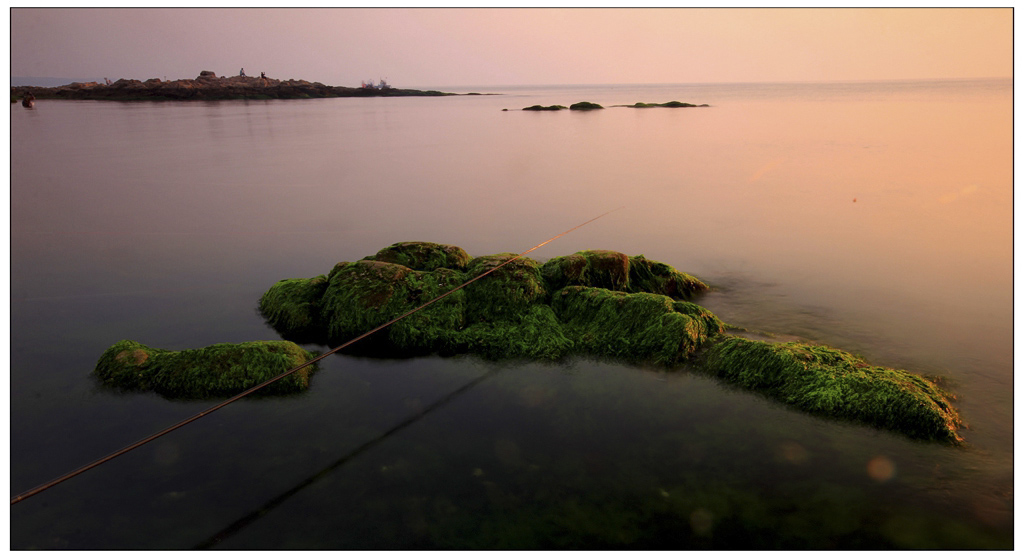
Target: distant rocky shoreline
x=210, y=87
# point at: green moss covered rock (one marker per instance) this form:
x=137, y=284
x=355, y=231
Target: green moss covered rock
x=294, y=305
x=585, y=105
x=616, y=271
x=591, y=303
x=220, y=370
x=363, y=295
x=833, y=383
x=507, y=315
x=423, y=256
x=505, y=294
x=641, y=327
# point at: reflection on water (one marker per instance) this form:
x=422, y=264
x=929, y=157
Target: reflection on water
x=279, y=499
x=872, y=217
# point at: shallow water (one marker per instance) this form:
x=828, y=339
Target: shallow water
x=874, y=217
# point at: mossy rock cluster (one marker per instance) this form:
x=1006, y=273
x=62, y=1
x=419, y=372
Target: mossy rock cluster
x=595, y=303
x=520, y=309
x=219, y=370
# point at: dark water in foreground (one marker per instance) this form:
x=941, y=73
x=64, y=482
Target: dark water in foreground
x=165, y=222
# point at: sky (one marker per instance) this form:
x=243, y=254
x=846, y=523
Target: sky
x=518, y=46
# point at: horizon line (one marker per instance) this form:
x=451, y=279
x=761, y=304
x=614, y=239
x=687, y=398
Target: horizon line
x=594, y=84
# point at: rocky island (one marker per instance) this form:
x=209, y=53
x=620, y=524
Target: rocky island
x=596, y=303
x=670, y=104
x=208, y=86
x=586, y=105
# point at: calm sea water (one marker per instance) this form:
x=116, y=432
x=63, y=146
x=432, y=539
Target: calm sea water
x=873, y=217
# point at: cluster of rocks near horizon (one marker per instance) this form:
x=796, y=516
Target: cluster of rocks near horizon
x=208, y=86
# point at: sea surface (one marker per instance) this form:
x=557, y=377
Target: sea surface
x=872, y=217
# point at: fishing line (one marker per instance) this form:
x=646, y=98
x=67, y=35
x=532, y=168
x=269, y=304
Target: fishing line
x=201, y=414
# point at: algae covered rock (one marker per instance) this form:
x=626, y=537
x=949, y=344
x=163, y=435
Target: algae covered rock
x=616, y=271
x=585, y=105
x=833, y=383
x=590, y=268
x=507, y=315
x=363, y=295
x=592, y=303
x=640, y=327
x=220, y=370
x=504, y=294
x=501, y=315
x=423, y=256
x=293, y=305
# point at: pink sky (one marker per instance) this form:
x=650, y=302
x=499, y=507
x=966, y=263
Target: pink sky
x=466, y=47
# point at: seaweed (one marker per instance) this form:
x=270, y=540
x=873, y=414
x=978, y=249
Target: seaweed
x=506, y=293
x=423, y=256
x=592, y=303
x=219, y=370
x=506, y=312
x=292, y=306
x=616, y=271
x=366, y=294
x=649, y=276
x=833, y=383
x=639, y=327
x=536, y=334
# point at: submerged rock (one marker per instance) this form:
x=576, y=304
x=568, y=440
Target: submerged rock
x=591, y=303
x=219, y=370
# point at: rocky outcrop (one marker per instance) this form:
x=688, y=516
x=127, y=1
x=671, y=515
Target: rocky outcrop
x=207, y=86
x=507, y=313
x=596, y=303
x=550, y=107
x=670, y=104
x=585, y=105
